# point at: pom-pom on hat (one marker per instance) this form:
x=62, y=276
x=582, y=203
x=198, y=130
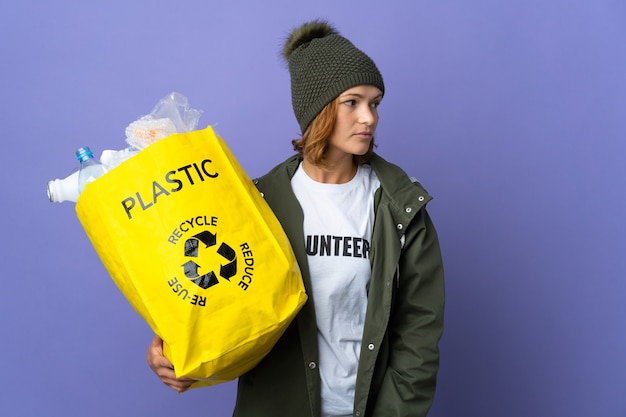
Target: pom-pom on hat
x=323, y=64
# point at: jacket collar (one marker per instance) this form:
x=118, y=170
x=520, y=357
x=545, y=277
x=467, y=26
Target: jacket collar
x=403, y=191
x=403, y=196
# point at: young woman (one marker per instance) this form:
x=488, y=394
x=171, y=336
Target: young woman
x=366, y=342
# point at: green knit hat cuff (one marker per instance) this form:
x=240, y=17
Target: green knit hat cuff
x=334, y=90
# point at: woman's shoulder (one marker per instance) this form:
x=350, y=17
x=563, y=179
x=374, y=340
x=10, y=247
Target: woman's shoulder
x=282, y=171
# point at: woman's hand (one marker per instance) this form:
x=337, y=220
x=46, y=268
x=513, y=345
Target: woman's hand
x=164, y=369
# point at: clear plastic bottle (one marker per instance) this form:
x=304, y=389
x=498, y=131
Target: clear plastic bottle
x=90, y=168
x=70, y=187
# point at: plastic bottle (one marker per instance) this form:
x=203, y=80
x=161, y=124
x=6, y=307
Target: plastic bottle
x=70, y=187
x=90, y=168
x=66, y=189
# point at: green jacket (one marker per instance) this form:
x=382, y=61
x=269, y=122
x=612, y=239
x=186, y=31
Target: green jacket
x=404, y=320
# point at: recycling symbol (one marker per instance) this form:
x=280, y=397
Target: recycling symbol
x=201, y=242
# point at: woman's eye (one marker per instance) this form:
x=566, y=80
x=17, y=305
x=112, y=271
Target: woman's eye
x=350, y=102
x=375, y=104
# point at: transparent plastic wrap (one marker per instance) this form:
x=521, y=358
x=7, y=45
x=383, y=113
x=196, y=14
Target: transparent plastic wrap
x=172, y=114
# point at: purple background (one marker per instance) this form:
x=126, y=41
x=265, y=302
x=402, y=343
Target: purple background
x=512, y=114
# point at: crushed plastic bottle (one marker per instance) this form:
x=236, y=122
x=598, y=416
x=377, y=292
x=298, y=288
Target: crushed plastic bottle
x=66, y=189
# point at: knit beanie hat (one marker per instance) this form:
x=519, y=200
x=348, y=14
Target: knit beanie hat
x=323, y=64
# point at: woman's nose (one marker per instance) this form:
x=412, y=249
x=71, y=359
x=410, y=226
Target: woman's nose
x=366, y=115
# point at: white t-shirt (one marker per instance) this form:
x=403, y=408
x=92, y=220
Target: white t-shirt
x=338, y=222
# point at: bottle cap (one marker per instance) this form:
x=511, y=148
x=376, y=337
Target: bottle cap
x=83, y=153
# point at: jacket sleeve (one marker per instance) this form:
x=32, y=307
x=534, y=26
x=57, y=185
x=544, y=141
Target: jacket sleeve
x=416, y=325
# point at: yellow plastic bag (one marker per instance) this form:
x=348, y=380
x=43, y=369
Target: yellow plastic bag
x=196, y=250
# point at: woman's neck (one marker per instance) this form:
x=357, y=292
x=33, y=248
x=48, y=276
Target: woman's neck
x=339, y=172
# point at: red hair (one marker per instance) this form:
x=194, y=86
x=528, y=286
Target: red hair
x=314, y=141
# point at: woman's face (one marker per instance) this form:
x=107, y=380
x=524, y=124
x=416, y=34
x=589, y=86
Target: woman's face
x=357, y=118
